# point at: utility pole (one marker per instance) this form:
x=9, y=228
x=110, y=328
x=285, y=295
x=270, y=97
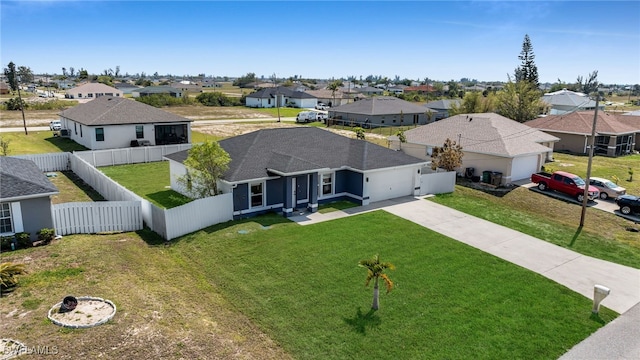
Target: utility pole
x=275, y=82
x=592, y=142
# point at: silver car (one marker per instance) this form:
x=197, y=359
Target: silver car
x=608, y=189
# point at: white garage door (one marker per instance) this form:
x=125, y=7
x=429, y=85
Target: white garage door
x=523, y=167
x=390, y=184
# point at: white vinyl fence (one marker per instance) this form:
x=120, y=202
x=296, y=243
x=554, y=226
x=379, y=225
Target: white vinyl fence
x=96, y=217
x=437, y=182
x=131, y=155
x=50, y=161
x=197, y=215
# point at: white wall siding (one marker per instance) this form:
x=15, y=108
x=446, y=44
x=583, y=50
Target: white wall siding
x=97, y=217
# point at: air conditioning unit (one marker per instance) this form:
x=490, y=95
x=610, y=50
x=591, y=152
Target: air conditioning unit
x=65, y=133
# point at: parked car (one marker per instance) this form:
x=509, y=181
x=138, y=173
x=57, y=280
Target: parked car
x=321, y=117
x=321, y=106
x=628, y=204
x=607, y=188
x=564, y=182
x=306, y=116
x=55, y=125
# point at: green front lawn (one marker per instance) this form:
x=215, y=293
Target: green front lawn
x=302, y=286
x=149, y=180
x=604, y=167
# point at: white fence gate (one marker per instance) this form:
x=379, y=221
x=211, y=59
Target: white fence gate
x=96, y=217
x=437, y=182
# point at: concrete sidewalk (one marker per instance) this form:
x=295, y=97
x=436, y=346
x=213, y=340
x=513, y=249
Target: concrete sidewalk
x=578, y=272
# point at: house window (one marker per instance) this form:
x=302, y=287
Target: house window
x=139, y=132
x=327, y=184
x=90, y=95
x=79, y=95
x=99, y=134
x=6, y=225
x=256, y=195
x=75, y=128
x=80, y=130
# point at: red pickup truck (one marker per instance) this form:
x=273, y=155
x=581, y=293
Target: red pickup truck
x=565, y=183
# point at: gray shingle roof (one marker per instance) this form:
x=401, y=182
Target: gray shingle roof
x=22, y=177
x=301, y=149
x=441, y=104
x=486, y=133
x=158, y=90
x=108, y=110
x=91, y=88
x=380, y=105
x=281, y=90
x=566, y=97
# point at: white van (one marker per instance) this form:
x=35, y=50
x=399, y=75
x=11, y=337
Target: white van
x=306, y=116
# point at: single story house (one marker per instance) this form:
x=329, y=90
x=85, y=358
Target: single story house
x=379, y=111
x=4, y=88
x=633, y=119
x=297, y=168
x=327, y=97
x=280, y=96
x=421, y=89
x=126, y=87
x=566, y=101
x=152, y=90
x=397, y=89
x=187, y=86
x=111, y=122
x=93, y=91
x=490, y=142
x=369, y=90
x=25, y=197
x=442, y=107
x=614, y=135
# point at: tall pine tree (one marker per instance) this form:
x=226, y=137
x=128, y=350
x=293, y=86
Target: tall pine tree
x=528, y=71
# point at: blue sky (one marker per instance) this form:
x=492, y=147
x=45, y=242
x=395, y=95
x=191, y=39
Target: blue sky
x=440, y=40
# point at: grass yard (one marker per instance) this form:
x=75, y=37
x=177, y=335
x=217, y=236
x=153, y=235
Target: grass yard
x=72, y=189
x=149, y=180
x=303, y=287
x=38, y=142
x=335, y=206
x=271, y=289
x=601, y=166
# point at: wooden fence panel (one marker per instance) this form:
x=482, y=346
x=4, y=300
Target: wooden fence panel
x=96, y=217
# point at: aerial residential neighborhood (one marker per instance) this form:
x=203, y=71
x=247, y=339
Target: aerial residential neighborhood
x=262, y=187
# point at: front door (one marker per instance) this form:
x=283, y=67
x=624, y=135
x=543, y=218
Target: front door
x=294, y=191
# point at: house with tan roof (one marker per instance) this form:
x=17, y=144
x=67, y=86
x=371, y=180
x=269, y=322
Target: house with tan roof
x=490, y=142
x=92, y=91
x=112, y=122
x=614, y=135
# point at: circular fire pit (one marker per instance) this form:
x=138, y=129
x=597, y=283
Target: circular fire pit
x=88, y=312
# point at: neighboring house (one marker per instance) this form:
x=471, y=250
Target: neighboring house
x=421, y=89
x=614, y=135
x=4, y=88
x=93, y=91
x=327, y=97
x=25, y=197
x=490, y=142
x=188, y=86
x=633, y=119
x=125, y=87
x=369, y=90
x=280, y=96
x=565, y=101
x=299, y=168
x=379, y=111
x=153, y=90
x=442, y=107
x=397, y=89
x=110, y=122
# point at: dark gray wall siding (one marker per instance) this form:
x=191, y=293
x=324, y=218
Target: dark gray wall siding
x=36, y=215
x=241, y=197
x=349, y=182
x=275, y=191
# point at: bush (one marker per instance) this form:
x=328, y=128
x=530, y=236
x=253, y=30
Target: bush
x=46, y=235
x=53, y=105
x=5, y=242
x=162, y=100
x=14, y=104
x=23, y=240
x=216, y=98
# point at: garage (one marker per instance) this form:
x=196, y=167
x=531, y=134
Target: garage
x=390, y=184
x=523, y=167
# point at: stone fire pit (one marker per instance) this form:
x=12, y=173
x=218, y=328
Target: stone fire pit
x=89, y=312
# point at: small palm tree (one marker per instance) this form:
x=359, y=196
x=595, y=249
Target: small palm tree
x=375, y=271
x=8, y=273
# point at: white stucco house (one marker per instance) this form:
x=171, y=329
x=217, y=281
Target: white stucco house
x=280, y=96
x=113, y=122
x=93, y=91
x=490, y=142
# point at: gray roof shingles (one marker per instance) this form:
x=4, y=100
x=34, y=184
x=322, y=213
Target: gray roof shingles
x=108, y=110
x=301, y=149
x=380, y=105
x=21, y=177
x=486, y=133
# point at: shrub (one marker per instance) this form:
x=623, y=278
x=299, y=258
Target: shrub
x=46, y=235
x=23, y=240
x=8, y=273
x=14, y=104
x=216, y=98
x=5, y=242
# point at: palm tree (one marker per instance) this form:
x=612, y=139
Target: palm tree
x=8, y=275
x=334, y=86
x=375, y=270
